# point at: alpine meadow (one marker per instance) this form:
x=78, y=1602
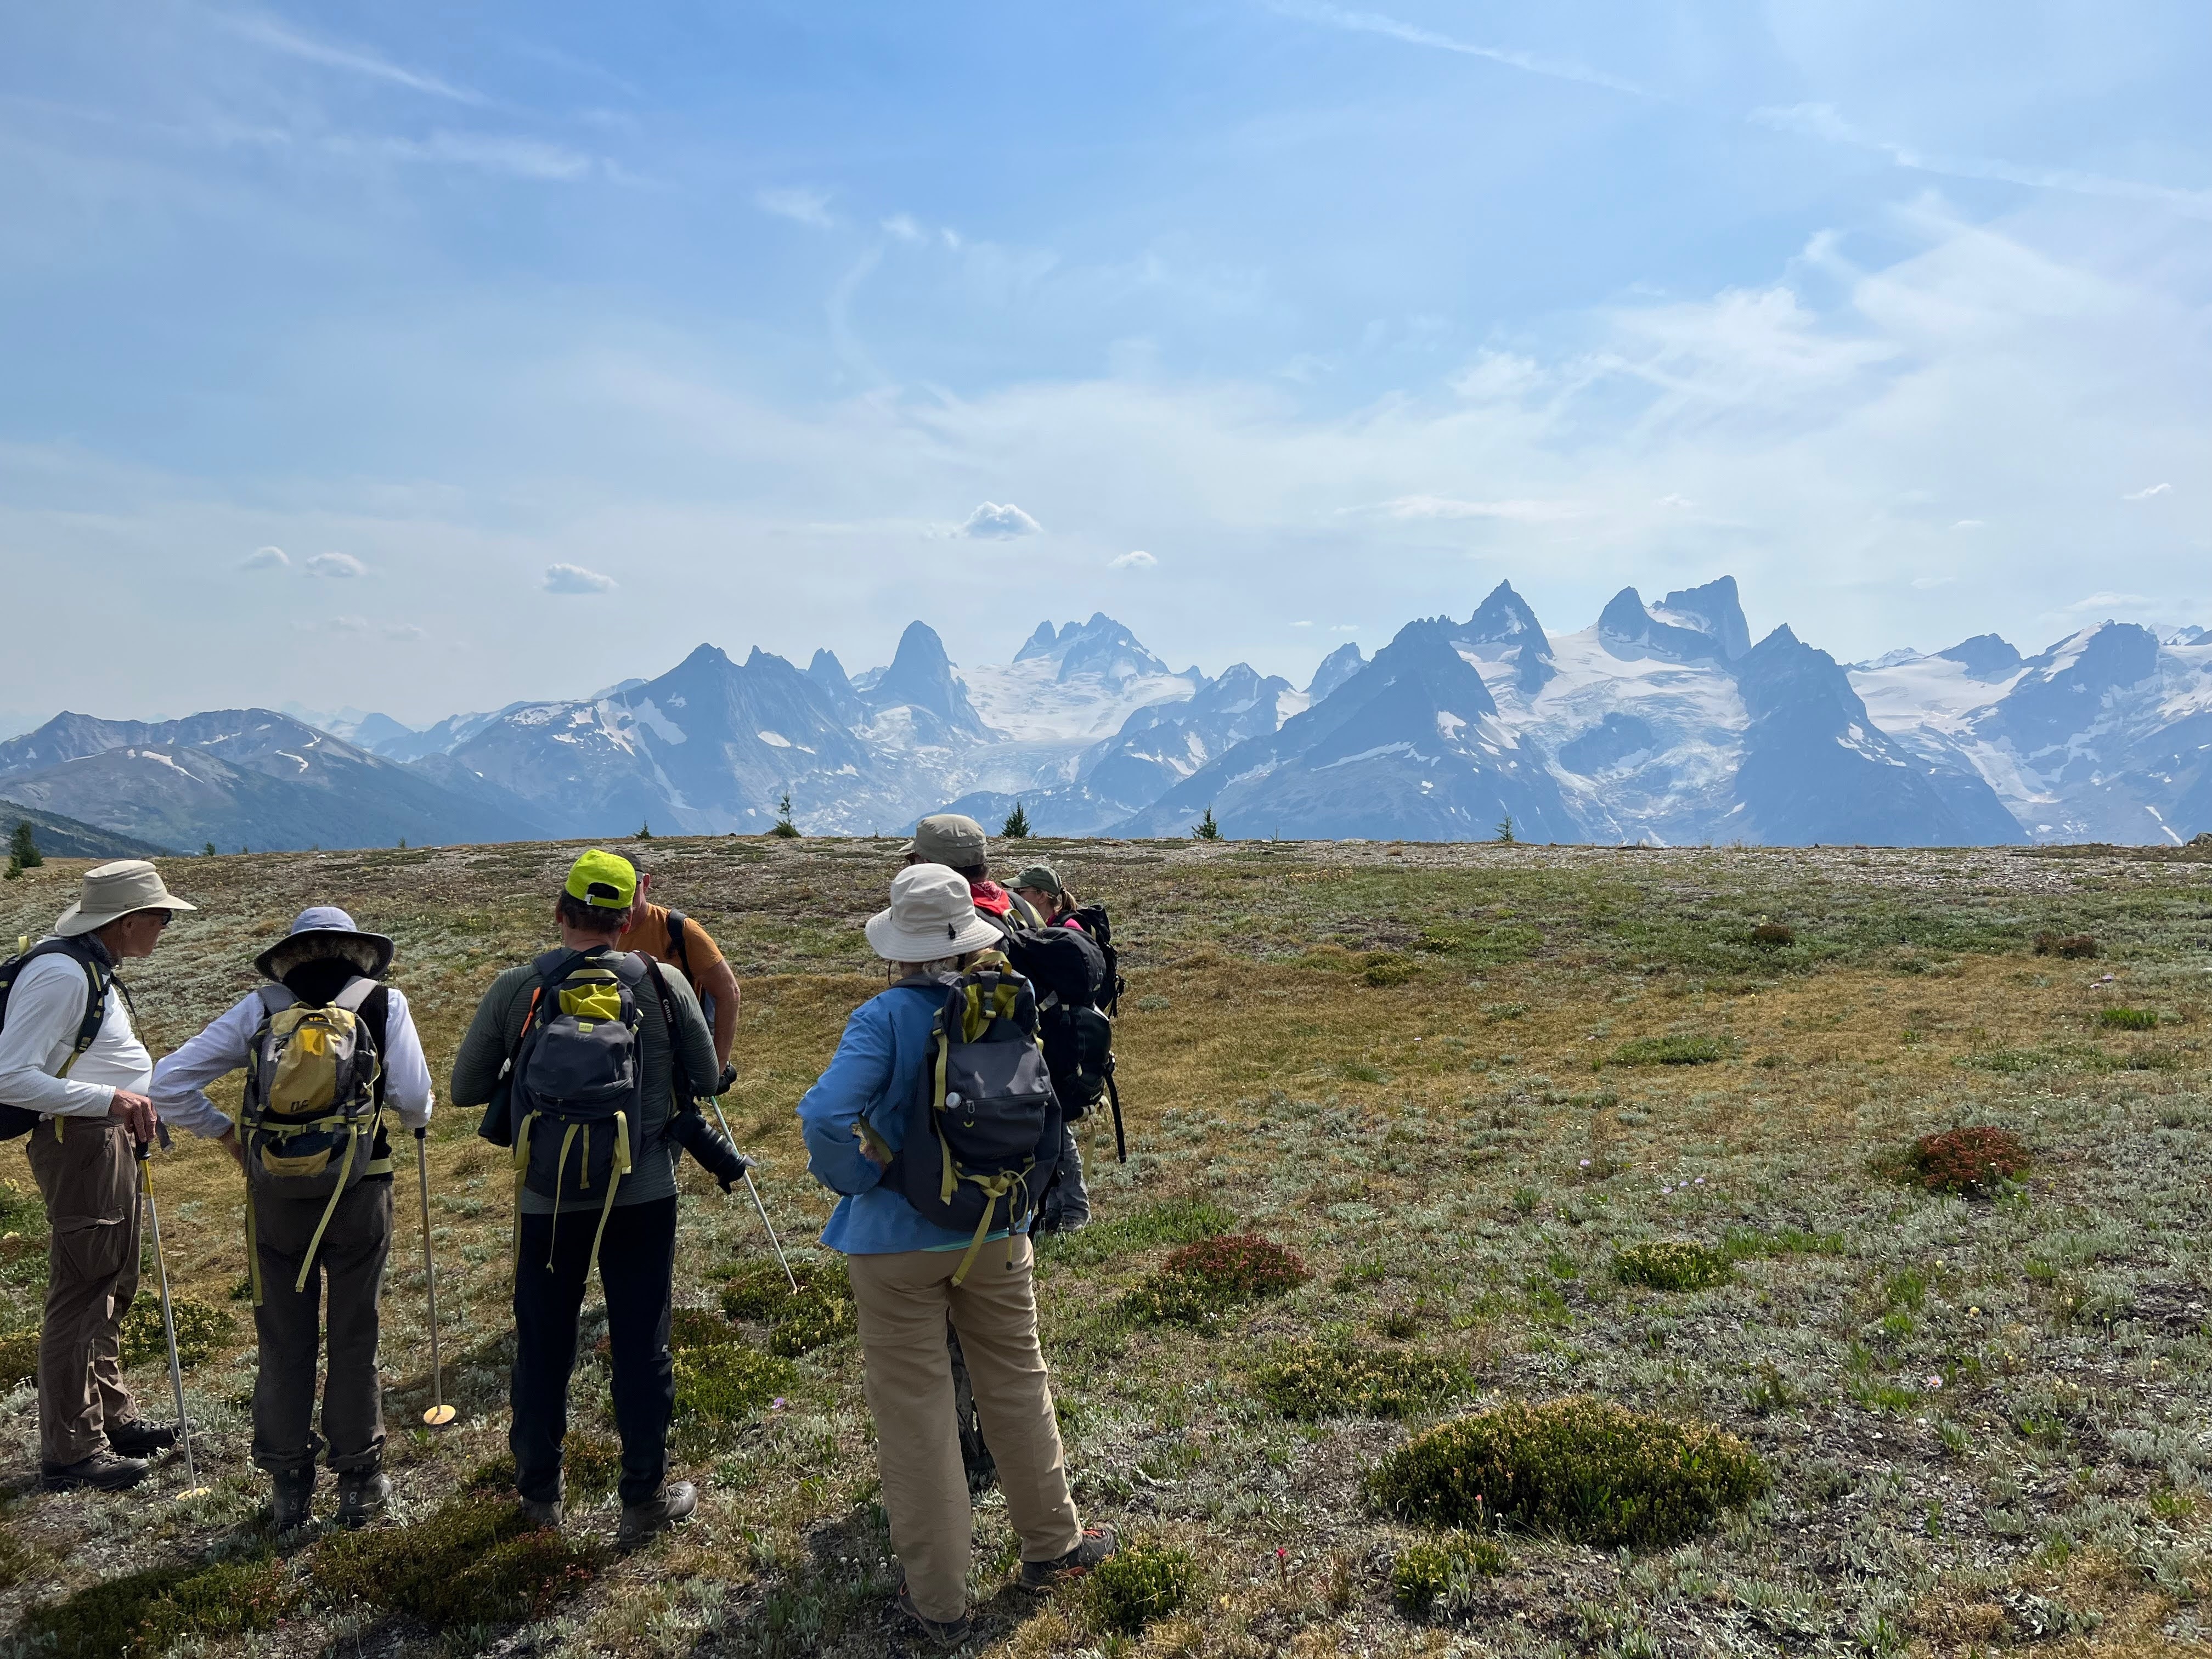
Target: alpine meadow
x=1521, y=1250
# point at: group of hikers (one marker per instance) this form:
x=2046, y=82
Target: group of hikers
x=944, y=1123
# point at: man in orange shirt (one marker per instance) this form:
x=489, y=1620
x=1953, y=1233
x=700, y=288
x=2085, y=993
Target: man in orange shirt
x=672, y=936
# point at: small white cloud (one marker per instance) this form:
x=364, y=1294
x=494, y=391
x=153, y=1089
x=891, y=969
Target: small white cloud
x=2110, y=601
x=1139, y=560
x=2145, y=495
x=1675, y=501
x=902, y=226
x=350, y=624
x=993, y=522
x=341, y=567
x=805, y=207
x=575, y=579
x=411, y=632
x=1344, y=627
x=1301, y=624
x=265, y=558
x=1968, y=524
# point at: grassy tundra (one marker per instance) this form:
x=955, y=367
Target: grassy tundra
x=1529, y=1125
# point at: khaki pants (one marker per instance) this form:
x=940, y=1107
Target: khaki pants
x=289, y=1325
x=90, y=1183
x=902, y=1301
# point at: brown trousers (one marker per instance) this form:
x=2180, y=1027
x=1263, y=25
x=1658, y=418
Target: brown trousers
x=902, y=1300
x=89, y=1180
x=291, y=1327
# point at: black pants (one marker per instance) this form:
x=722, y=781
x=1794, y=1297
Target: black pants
x=291, y=1328
x=637, y=1259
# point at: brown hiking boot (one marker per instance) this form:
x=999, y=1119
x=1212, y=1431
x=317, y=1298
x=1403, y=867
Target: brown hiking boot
x=1094, y=1547
x=945, y=1633
x=640, y=1522
x=103, y=1470
x=139, y=1438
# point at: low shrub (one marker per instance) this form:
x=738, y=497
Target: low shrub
x=718, y=1389
x=1172, y=1221
x=1139, y=1582
x=1772, y=935
x=475, y=1561
x=1315, y=1380
x=1444, y=1571
x=2071, y=945
x=19, y=1358
x=821, y=1312
x=1585, y=1468
x=2128, y=1019
x=144, y=1614
x=1975, y=1161
x=1388, y=968
x=1678, y=1050
x=1200, y=1284
x=1673, y=1264
x=201, y=1331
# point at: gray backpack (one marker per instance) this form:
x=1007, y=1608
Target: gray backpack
x=578, y=1083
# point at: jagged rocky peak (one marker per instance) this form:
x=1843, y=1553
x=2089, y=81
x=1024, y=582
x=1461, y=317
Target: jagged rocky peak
x=1713, y=609
x=1339, y=665
x=1504, y=629
x=1673, y=630
x=826, y=669
x=921, y=676
x=1101, y=646
x=1985, y=657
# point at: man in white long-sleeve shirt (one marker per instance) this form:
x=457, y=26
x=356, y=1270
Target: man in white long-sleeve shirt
x=298, y=1241
x=68, y=1053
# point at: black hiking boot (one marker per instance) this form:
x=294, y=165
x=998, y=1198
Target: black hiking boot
x=103, y=1471
x=362, y=1494
x=1094, y=1547
x=945, y=1633
x=541, y=1511
x=139, y=1438
x=641, y=1522
x=291, y=1506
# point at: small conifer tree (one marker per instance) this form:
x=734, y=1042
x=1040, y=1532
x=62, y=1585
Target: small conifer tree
x=1205, y=829
x=784, y=827
x=644, y=832
x=1506, y=836
x=208, y=851
x=1016, y=826
x=23, y=846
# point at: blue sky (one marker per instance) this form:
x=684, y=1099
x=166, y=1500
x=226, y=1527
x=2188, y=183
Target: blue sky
x=544, y=341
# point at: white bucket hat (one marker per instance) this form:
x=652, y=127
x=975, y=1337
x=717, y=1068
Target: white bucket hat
x=114, y=891
x=932, y=916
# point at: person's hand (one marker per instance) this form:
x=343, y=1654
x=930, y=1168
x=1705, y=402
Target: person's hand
x=232, y=1145
x=134, y=1112
x=724, y=1084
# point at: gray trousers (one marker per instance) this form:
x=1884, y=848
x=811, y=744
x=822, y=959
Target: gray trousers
x=351, y=1259
x=86, y=1174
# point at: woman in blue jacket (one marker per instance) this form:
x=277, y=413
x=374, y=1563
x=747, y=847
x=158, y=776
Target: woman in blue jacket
x=901, y=1266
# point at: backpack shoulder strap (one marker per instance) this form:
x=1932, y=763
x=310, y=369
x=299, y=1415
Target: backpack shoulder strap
x=96, y=982
x=679, y=1075
x=275, y=999
x=680, y=951
x=358, y=990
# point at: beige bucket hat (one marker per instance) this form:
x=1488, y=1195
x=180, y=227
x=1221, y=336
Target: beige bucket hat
x=932, y=916
x=112, y=890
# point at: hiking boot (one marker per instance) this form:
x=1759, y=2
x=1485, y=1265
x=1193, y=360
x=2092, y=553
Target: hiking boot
x=640, y=1522
x=292, y=1505
x=139, y=1438
x=540, y=1512
x=102, y=1470
x=362, y=1494
x=1094, y=1547
x=945, y=1633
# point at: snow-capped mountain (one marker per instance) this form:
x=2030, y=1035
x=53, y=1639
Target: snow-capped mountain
x=1659, y=722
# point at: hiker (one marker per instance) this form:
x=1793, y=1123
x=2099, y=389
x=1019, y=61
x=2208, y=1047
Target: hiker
x=328, y=1046
x=1039, y=887
x=672, y=936
x=75, y=1074
x=910, y=1273
x=959, y=843
x=591, y=1049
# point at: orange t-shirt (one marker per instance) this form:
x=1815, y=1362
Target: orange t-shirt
x=648, y=932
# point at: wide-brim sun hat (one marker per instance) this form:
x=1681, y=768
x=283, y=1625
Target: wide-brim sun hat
x=111, y=891
x=321, y=931
x=932, y=916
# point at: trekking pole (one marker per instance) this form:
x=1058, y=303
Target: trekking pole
x=775, y=1242
x=145, y=1153
x=1121, y=1142
x=440, y=1414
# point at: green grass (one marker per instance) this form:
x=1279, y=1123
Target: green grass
x=1439, y=1574
x=1174, y=1221
x=1673, y=1264
x=1678, y=1050
x=1311, y=1380
x=1139, y=1582
x=474, y=1560
x=202, y=1330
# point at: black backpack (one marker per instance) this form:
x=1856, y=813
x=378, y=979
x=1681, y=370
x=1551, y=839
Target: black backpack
x=1069, y=971
x=1096, y=923
x=17, y=1122
x=983, y=1127
x=577, y=1082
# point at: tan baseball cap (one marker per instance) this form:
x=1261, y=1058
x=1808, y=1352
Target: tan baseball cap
x=949, y=838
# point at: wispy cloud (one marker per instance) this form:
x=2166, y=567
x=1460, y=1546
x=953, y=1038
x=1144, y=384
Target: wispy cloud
x=1821, y=121
x=357, y=60
x=265, y=558
x=1136, y=560
x=342, y=565
x=1372, y=22
x=518, y=158
x=2110, y=601
x=800, y=205
x=998, y=522
x=1446, y=506
x=2144, y=495
x=575, y=579
x=904, y=226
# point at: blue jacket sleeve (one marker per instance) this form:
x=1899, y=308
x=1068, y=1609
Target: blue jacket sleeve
x=830, y=1112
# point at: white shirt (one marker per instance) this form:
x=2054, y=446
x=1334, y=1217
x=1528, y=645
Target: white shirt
x=44, y=1011
x=180, y=1081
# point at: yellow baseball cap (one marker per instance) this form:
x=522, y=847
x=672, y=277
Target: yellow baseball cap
x=605, y=880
